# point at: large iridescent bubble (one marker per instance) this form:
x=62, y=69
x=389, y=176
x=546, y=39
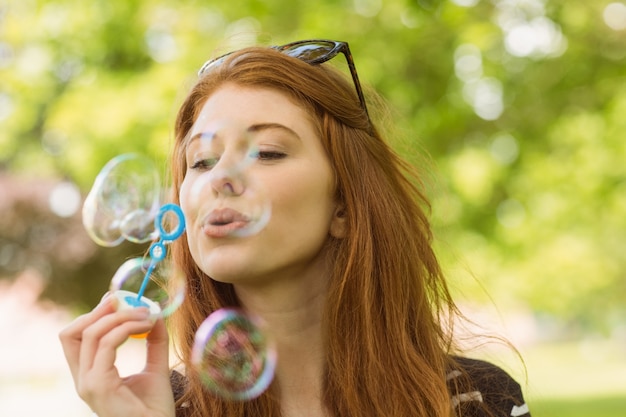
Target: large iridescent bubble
x=123, y=201
x=234, y=355
x=225, y=155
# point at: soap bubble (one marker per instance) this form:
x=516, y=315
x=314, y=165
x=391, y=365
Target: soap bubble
x=220, y=145
x=233, y=356
x=138, y=226
x=223, y=155
x=123, y=201
x=238, y=216
x=162, y=292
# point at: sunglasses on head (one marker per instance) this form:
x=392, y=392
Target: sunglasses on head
x=312, y=52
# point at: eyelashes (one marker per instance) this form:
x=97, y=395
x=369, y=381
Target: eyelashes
x=270, y=155
x=206, y=164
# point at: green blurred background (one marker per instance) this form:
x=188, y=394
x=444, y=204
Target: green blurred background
x=521, y=105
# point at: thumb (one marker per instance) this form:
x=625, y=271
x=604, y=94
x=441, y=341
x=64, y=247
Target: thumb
x=157, y=359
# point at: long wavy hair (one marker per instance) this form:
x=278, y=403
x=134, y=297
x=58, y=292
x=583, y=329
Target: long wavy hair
x=387, y=342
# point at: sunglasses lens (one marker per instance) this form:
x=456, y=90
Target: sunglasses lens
x=212, y=63
x=313, y=52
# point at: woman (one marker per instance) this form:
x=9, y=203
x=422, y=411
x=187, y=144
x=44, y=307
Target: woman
x=344, y=273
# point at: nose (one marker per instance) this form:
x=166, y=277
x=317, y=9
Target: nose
x=227, y=183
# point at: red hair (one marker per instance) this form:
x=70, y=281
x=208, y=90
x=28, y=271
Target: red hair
x=387, y=350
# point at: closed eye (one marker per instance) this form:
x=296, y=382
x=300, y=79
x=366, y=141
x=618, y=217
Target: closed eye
x=204, y=164
x=270, y=155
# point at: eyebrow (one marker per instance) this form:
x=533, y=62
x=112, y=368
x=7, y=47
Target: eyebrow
x=257, y=127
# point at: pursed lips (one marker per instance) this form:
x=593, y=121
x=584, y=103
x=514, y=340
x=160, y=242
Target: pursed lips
x=223, y=222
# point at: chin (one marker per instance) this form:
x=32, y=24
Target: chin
x=227, y=274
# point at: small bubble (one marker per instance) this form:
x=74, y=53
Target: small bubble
x=234, y=357
x=163, y=290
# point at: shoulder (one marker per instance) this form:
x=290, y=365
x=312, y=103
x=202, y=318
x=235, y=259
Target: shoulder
x=476, y=385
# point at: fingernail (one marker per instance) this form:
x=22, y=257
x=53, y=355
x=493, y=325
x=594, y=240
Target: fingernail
x=104, y=297
x=141, y=312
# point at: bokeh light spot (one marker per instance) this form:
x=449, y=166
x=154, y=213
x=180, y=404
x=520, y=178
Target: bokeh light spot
x=65, y=199
x=614, y=16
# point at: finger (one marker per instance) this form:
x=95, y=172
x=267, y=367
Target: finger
x=105, y=296
x=97, y=373
x=103, y=362
x=71, y=336
x=108, y=333
x=157, y=358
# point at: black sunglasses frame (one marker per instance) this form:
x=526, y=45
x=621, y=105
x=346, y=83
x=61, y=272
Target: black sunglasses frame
x=291, y=49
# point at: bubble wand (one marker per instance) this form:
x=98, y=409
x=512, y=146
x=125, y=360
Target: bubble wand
x=157, y=249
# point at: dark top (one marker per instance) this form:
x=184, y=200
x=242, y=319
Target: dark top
x=474, y=386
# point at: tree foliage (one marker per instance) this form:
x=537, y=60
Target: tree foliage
x=520, y=103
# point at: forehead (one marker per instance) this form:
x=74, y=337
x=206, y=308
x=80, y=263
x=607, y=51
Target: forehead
x=244, y=106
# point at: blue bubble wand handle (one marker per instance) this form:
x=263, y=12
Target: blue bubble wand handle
x=157, y=249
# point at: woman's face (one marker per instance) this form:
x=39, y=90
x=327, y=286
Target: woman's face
x=291, y=173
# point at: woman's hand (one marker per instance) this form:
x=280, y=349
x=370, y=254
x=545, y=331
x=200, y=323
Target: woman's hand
x=90, y=343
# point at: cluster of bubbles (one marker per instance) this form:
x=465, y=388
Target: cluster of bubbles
x=124, y=203
x=233, y=353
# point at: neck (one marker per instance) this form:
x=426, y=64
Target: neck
x=292, y=311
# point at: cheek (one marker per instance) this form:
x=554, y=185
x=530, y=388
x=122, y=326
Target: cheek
x=184, y=197
x=190, y=213
x=304, y=206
